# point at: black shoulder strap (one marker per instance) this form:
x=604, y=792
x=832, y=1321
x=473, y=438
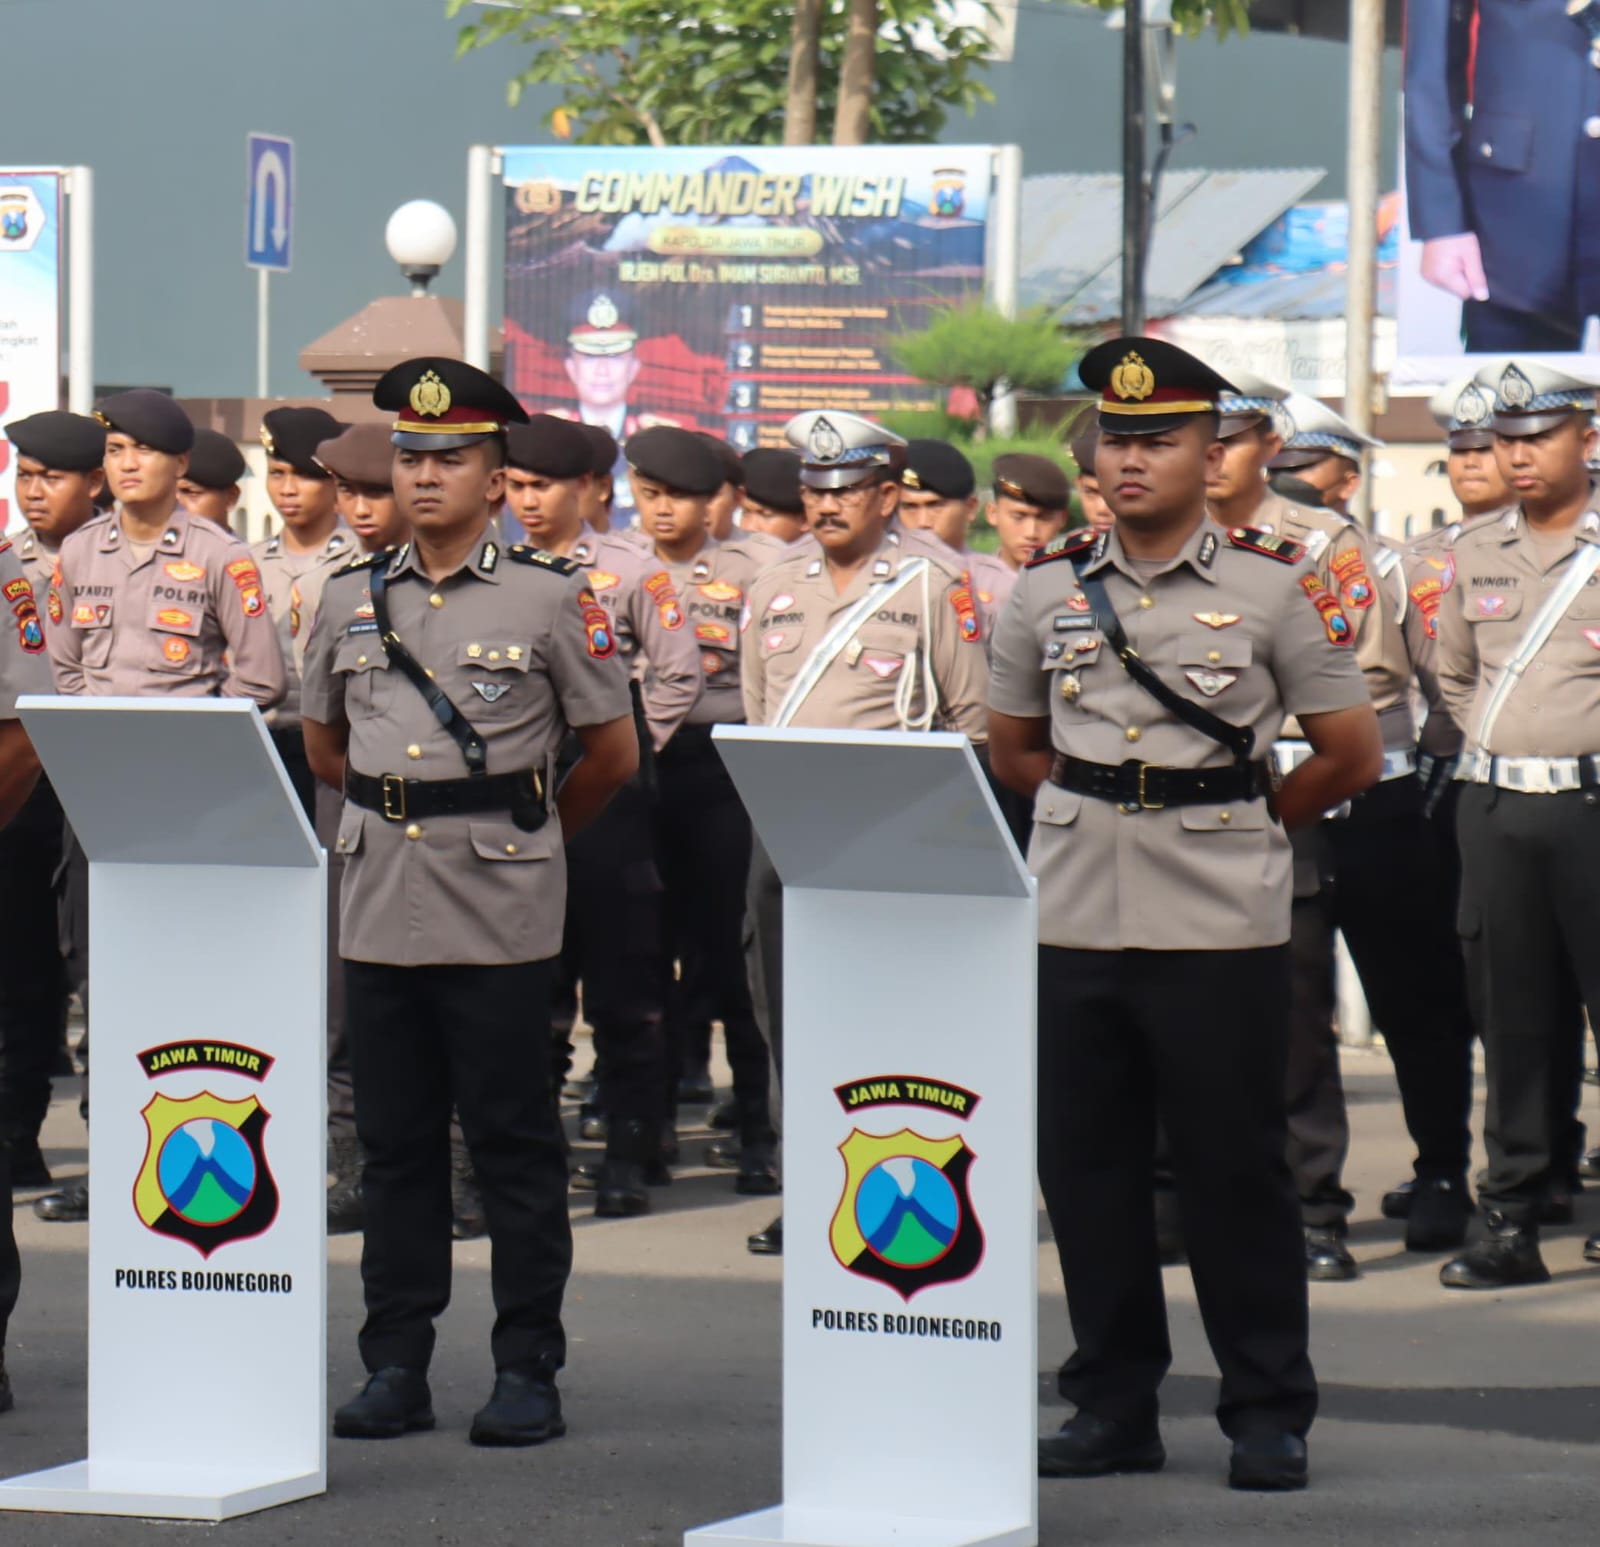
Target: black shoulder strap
x=460, y=729
x=1238, y=739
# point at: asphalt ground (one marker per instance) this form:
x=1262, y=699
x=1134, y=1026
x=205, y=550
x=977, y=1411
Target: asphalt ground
x=1447, y=1418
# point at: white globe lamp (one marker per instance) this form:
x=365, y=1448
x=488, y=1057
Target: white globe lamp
x=421, y=238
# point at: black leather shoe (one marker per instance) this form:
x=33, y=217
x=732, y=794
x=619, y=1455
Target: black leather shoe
x=524, y=1410
x=70, y=1206
x=1589, y=1166
x=723, y=1154
x=592, y=1128
x=724, y=1118
x=1441, y=1210
x=393, y=1402
x=1328, y=1259
x=758, y=1171
x=7, y=1400
x=1087, y=1446
x=28, y=1170
x=1591, y=1249
x=1397, y=1201
x=768, y=1242
x=585, y=1176
x=1507, y=1255
x=695, y=1088
x=1268, y=1463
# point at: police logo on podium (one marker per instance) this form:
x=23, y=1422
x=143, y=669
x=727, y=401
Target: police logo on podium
x=205, y=1178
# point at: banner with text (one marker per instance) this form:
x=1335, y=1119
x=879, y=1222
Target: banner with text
x=31, y=256
x=727, y=290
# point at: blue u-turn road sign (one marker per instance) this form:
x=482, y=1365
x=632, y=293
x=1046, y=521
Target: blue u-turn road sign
x=269, y=202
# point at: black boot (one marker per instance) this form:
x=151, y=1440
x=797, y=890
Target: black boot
x=758, y=1150
x=1591, y=1249
x=723, y=1154
x=1397, y=1201
x=467, y=1221
x=1507, y=1255
x=724, y=1118
x=630, y=1147
x=1328, y=1259
x=346, y=1211
x=70, y=1206
x=1268, y=1462
x=524, y=1410
x=393, y=1402
x=1441, y=1210
x=768, y=1242
x=1087, y=1446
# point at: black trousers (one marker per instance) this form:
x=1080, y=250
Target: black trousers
x=1488, y=328
x=764, y=949
x=33, y=979
x=613, y=944
x=1318, y=1123
x=1387, y=881
x=1529, y=910
x=341, y=1093
x=72, y=911
x=704, y=844
x=10, y=1262
x=290, y=742
x=422, y=1039
x=1195, y=1040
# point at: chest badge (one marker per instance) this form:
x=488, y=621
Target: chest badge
x=1593, y=636
x=1489, y=606
x=1212, y=683
x=721, y=591
x=491, y=692
x=1079, y=603
x=1216, y=619
x=1070, y=687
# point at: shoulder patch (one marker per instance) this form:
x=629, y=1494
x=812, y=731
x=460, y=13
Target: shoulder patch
x=1068, y=545
x=1254, y=539
x=366, y=561
x=539, y=558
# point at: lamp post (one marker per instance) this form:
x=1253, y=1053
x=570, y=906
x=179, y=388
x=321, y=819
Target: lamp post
x=421, y=238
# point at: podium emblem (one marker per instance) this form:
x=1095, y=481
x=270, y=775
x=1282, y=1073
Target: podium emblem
x=205, y=1178
x=905, y=1218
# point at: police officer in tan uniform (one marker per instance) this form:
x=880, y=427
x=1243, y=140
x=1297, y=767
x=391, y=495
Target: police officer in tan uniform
x=149, y=600
x=439, y=682
x=938, y=497
x=859, y=630
x=1139, y=678
x=360, y=459
x=615, y=941
x=1027, y=508
x=59, y=460
x=1519, y=664
x=772, y=514
x=24, y=668
x=297, y=560
x=210, y=486
x=704, y=833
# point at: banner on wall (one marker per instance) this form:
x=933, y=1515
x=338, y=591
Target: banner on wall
x=727, y=290
x=31, y=258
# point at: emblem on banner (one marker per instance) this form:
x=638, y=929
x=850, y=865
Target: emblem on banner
x=905, y=1218
x=205, y=1178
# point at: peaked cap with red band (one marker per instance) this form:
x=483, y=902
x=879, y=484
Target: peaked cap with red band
x=441, y=404
x=1147, y=385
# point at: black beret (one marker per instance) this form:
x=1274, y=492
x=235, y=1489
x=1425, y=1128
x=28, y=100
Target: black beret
x=292, y=435
x=936, y=465
x=732, y=462
x=1024, y=475
x=1085, y=442
x=215, y=462
x=149, y=417
x=684, y=460
x=772, y=478
x=441, y=404
x=363, y=454
x=603, y=444
x=68, y=443
x=555, y=448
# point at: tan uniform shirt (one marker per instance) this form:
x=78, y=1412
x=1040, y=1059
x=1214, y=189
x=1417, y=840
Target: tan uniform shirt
x=38, y=561
x=1242, y=633
x=1501, y=581
x=711, y=587
x=876, y=681
x=762, y=547
x=652, y=630
x=1430, y=572
x=188, y=621
x=524, y=652
x=24, y=662
x=293, y=583
x=992, y=583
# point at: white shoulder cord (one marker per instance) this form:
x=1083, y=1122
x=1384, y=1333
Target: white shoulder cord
x=906, y=691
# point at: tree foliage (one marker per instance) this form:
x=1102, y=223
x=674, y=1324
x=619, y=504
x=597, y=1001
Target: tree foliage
x=1194, y=16
x=975, y=346
x=712, y=72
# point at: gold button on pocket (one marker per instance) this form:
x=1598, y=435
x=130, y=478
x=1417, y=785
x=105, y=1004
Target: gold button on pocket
x=1147, y=602
x=413, y=751
x=413, y=832
x=1133, y=733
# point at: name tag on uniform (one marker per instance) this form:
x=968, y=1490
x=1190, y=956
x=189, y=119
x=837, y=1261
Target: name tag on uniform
x=362, y=628
x=1071, y=622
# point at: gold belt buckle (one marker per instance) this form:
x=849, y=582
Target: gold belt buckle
x=394, y=798
x=1145, y=803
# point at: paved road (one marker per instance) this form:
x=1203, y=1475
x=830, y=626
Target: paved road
x=1446, y=1418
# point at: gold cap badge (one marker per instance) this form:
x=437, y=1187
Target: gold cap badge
x=1133, y=380
x=430, y=397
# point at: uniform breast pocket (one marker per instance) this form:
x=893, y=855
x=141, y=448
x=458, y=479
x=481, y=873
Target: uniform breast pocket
x=1239, y=816
x=502, y=842
x=174, y=629
x=883, y=649
x=91, y=624
x=1499, y=142
x=1214, y=663
x=495, y=671
x=368, y=678
x=1481, y=607
x=1586, y=604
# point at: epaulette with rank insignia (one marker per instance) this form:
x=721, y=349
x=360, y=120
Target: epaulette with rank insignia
x=542, y=559
x=366, y=561
x=1255, y=539
x=1068, y=545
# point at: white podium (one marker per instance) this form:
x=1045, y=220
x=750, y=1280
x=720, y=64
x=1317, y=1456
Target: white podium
x=910, y=1266
x=207, y=1266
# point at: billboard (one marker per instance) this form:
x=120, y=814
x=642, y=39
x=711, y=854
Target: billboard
x=1502, y=183
x=729, y=289
x=31, y=255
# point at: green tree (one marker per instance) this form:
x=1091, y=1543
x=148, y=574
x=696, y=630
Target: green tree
x=1194, y=16
x=975, y=346
x=719, y=71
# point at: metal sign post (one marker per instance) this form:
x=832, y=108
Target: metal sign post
x=269, y=228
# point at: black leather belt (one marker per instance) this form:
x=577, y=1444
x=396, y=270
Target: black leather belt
x=1152, y=786
x=520, y=795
